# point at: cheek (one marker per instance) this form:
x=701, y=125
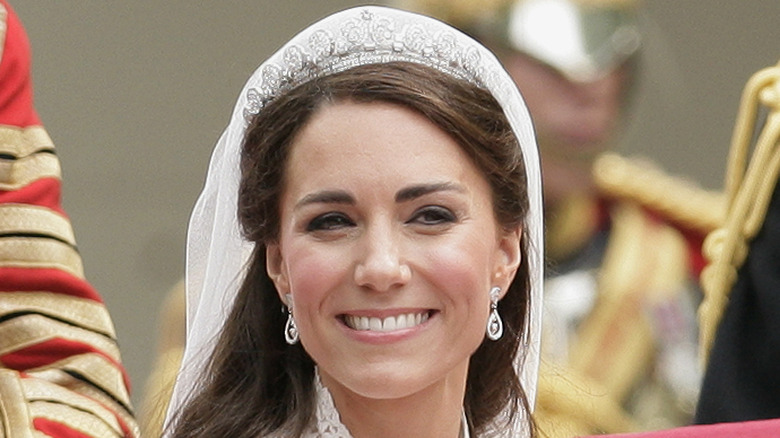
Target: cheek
x=462, y=270
x=313, y=271
x=461, y=276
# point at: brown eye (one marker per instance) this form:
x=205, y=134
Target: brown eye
x=329, y=221
x=433, y=215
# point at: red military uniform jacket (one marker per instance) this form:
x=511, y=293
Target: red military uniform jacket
x=60, y=368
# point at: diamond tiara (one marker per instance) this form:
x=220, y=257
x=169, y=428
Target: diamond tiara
x=368, y=38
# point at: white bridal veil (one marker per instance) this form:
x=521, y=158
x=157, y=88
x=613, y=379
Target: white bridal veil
x=216, y=253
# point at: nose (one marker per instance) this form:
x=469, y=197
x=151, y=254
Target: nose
x=380, y=265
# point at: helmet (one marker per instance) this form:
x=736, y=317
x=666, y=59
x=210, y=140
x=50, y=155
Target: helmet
x=581, y=39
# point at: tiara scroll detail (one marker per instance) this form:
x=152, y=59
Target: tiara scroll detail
x=365, y=39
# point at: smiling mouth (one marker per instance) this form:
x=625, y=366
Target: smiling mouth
x=391, y=323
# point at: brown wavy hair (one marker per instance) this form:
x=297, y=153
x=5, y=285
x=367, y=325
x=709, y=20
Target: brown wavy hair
x=255, y=383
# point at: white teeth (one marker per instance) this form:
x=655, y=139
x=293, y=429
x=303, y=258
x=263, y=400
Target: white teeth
x=388, y=324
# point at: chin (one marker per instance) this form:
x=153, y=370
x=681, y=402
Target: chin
x=387, y=382
x=380, y=382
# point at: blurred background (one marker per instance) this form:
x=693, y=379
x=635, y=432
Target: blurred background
x=135, y=95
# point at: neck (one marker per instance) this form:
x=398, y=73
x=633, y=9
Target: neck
x=434, y=412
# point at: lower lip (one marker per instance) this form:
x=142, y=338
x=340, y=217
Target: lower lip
x=381, y=338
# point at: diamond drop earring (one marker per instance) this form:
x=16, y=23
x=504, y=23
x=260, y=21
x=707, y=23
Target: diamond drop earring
x=495, y=327
x=290, y=330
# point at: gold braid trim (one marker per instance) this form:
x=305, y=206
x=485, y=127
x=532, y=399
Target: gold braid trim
x=570, y=227
x=15, y=174
x=97, y=369
x=642, y=182
x=749, y=189
x=28, y=165
x=37, y=390
x=76, y=419
x=65, y=380
x=83, y=312
x=25, y=252
x=23, y=142
x=22, y=218
x=13, y=407
x=27, y=330
x=645, y=262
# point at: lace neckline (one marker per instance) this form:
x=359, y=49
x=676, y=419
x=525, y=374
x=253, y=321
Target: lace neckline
x=327, y=422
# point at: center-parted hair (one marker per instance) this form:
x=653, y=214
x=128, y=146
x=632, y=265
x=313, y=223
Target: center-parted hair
x=257, y=384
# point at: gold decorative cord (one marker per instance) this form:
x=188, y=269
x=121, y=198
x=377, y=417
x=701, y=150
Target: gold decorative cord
x=749, y=188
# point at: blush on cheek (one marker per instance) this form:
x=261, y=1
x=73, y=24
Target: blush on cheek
x=461, y=270
x=312, y=273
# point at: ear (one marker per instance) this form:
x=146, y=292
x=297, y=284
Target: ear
x=508, y=258
x=275, y=267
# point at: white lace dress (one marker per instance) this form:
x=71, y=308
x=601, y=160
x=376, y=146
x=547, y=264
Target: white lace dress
x=327, y=422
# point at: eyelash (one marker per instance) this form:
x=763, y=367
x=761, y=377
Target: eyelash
x=430, y=215
x=441, y=215
x=329, y=221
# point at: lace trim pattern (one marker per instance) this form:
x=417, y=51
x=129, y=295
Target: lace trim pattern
x=327, y=421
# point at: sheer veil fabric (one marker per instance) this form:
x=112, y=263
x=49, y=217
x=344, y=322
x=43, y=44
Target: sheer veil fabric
x=216, y=252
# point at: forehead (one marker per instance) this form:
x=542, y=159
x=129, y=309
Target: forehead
x=365, y=143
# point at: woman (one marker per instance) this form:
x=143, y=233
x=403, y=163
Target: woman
x=383, y=172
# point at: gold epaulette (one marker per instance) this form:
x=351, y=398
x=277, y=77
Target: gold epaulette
x=680, y=201
x=749, y=189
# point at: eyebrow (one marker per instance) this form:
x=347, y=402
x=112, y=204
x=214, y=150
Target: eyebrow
x=403, y=195
x=326, y=197
x=419, y=190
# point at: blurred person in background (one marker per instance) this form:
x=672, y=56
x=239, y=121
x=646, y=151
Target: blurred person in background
x=623, y=240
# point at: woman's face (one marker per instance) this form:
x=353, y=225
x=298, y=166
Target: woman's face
x=388, y=248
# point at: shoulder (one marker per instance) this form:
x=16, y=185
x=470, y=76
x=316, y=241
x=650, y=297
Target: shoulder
x=680, y=202
x=672, y=202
